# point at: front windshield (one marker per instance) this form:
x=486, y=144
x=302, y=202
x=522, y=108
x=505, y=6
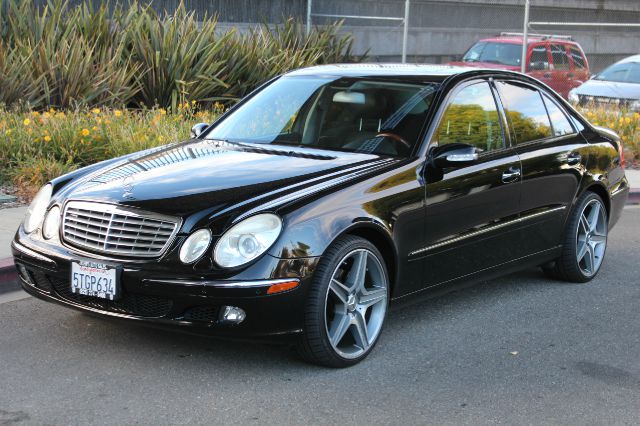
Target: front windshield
x=378, y=116
x=626, y=72
x=494, y=53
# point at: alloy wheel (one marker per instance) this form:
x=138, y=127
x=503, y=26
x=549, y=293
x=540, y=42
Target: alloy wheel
x=356, y=303
x=591, y=237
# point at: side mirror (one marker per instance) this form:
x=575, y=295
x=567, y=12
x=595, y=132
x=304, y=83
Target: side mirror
x=197, y=129
x=454, y=155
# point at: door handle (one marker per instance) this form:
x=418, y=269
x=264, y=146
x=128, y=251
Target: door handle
x=574, y=158
x=547, y=75
x=511, y=175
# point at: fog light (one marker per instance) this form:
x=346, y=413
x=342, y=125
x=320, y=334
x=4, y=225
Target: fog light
x=232, y=314
x=24, y=274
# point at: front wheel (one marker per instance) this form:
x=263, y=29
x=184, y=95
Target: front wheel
x=347, y=304
x=585, y=241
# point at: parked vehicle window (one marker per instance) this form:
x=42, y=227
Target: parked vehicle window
x=378, y=116
x=526, y=112
x=494, y=53
x=627, y=72
x=472, y=118
x=559, y=121
x=559, y=55
x=539, y=60
x=578, y=59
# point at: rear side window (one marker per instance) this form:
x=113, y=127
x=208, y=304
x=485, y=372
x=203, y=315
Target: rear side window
x=539, y=60
x=559, y=122
x=525, y=111
x=559, y=55
x=472, y=118
x=578, y=59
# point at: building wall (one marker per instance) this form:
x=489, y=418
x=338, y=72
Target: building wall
x=440, y=30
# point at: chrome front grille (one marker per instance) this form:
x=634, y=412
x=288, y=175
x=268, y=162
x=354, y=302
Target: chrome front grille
x=111, y=229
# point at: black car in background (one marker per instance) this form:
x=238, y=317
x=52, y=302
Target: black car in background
x=324, y=195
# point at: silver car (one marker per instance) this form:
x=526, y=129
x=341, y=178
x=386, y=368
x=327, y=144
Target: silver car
x=618, y=85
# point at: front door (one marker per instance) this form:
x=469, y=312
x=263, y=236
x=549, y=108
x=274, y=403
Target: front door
x=470, y=209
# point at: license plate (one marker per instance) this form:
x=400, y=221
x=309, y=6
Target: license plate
x=94, y=279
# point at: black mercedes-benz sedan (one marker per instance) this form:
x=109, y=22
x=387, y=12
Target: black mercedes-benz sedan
x=323, y=196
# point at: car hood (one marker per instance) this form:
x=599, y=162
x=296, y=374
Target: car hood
x=196, y=175
x=488, y=65
x=609, y=89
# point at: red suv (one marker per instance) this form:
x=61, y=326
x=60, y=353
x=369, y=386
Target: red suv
x=555, y=60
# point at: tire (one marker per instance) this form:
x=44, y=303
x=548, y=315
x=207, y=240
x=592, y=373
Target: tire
x=584, y=243
x=347, y=304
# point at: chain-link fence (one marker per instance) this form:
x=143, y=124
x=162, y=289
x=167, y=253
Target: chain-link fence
x=439, y=31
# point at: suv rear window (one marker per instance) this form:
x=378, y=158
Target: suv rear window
x=560, y=59
x=494, y=53
x=578, y=59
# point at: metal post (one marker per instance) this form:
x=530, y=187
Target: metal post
x=308, y=17
x=525, y=37
x=405, y=31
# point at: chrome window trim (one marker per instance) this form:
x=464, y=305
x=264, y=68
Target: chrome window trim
x=112, y=209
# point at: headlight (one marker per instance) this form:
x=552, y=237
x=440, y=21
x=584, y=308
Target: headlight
x=37, y=209
x=573, y=96
x=247, y=240
x=51, y=223
x=195, y=246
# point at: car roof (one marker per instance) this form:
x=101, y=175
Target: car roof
x=383, y=70
x=514, y=39
x=633, y=58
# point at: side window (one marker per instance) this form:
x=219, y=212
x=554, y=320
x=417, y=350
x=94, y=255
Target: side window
x=526, y=112
x=559, y=55
x=472, y=118
x=559, y=121
x=578, y=59
x=539, y=60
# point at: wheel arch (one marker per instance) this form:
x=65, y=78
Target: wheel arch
x=379, y=237
x=599, y=189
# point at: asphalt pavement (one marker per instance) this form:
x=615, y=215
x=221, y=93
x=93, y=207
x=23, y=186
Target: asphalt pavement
x=518, y=350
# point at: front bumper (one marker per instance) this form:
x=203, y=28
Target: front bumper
x=154, y=296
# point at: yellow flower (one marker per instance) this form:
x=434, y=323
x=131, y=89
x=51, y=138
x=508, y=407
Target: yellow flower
x=193, y=102
x=52, y=110
x=96, y=110
x=107, y=121
x=46, y=114
x=47, y=138
x=163, y=111
x=117, y=113
x=26, y=122
x=85, y=132
x=94, y=128
x=60, y=114
x=35, y=113
x=8, y=132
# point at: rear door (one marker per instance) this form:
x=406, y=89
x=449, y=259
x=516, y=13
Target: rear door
x=560, y=69
x=551, y=151
x=539, y=62
x=469, y=209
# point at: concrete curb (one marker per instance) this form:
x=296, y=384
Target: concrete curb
x=9, y=280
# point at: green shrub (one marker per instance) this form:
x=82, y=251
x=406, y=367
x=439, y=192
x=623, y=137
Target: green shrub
x=80, y=56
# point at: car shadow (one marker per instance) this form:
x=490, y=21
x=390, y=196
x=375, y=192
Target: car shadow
x=196, y=350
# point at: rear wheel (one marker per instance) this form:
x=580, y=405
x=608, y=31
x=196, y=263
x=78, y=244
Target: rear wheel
x=585, y=242
x=347, y=304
